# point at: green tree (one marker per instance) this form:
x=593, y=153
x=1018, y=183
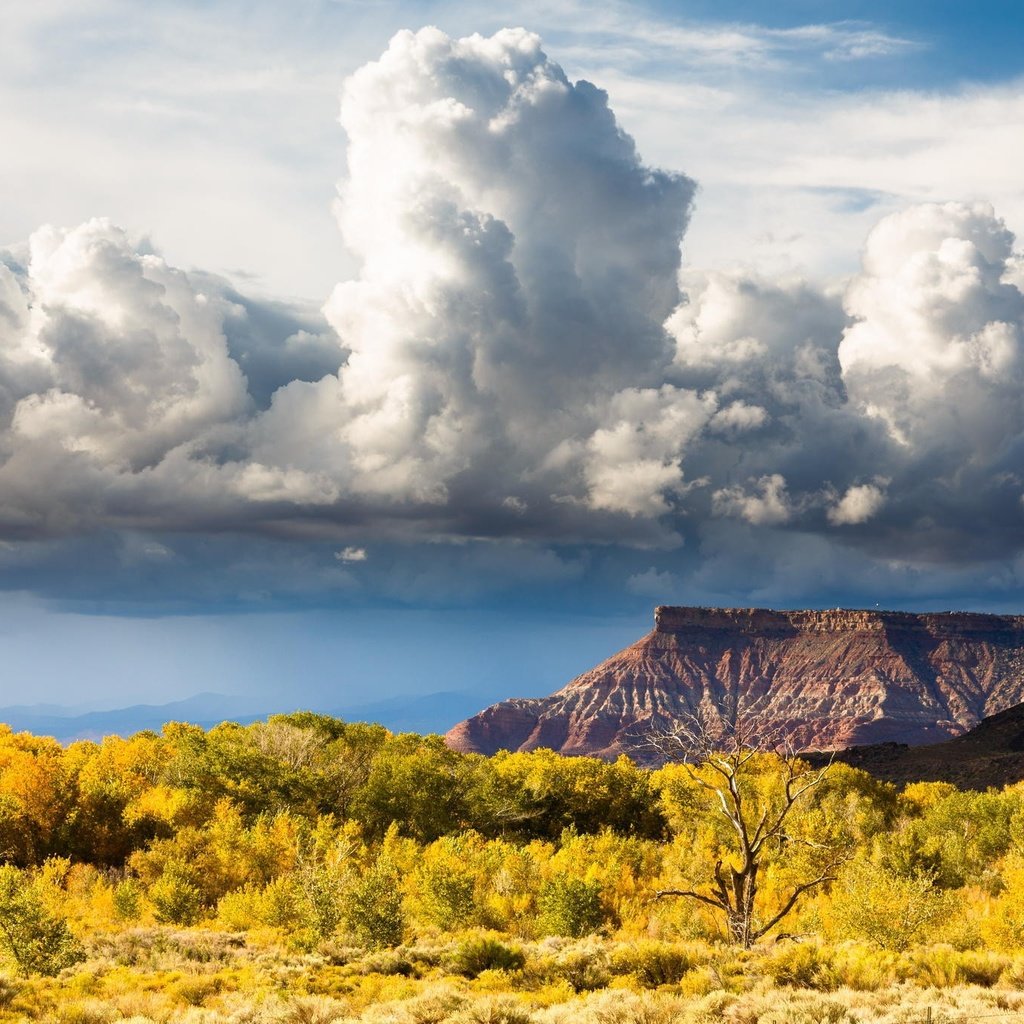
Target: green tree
x=36, y=940
x=965, y=834
x=175, y=897
x=570, y=906
x=416, y=783
x=321, y=892
x=127, y=899
x=373, y=908
x=541, y=793
x=445, y=895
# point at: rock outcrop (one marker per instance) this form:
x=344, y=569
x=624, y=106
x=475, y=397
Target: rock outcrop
x=824, y=680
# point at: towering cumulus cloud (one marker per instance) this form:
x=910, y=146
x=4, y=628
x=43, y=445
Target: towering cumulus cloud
x=936, y=354
x=909, y=417
x=521, y=356
x=936, y=349
x=517, y=263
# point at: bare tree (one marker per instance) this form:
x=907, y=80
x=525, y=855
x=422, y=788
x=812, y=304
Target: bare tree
x=720, y=756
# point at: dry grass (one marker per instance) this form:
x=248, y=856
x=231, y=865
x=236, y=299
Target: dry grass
x=154, y=975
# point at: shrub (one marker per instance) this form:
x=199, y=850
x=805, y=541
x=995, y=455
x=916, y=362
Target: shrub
x=1012, y=976
x=617, y=1007
x=432, y=1007
x=570, y=906
x=653, y=963
x=484, y=953
x=194, y=989
x=88, y=1012
x=802, y=965
x=586, y=970
x=311, y=1010
x=127, y=900
x=9, y=989
x=35, y=939
x=391, y=963
x=868, y=969
x=175, y=899
x=801, y=1007
x=373, y=909
x=494, y=1010
x=945, y=967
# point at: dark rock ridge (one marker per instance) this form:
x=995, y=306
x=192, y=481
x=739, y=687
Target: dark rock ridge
x=825, y=680
x=992, y=754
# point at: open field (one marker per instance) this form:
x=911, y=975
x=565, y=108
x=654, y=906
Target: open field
x=162, y=974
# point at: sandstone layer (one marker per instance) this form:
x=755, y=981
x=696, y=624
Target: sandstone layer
x=823, y=680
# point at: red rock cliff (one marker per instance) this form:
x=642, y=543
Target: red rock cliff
x=824, y=679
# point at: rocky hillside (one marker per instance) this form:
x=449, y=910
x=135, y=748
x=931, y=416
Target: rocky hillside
x=824, y=679
x=992, y=754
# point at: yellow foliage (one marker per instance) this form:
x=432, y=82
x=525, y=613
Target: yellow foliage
x=1001, y=922
x=918, y=797
x=172, y=806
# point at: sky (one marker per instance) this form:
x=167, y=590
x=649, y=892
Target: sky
x=359, y=349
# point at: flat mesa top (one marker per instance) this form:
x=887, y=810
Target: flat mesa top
x=677, y=619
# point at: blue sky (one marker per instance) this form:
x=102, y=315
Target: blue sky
x=954, y=41
x=449, y=395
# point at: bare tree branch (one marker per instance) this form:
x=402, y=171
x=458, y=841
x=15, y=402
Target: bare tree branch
x=791, y=903
x=693, y=895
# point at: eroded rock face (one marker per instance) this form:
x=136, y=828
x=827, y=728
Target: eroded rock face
x=822, y=679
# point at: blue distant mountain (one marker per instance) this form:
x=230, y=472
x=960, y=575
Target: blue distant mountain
x=433, y=712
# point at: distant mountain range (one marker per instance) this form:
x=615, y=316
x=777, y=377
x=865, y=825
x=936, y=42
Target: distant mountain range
x=875, y=686
x=432, y=712
x=822, y=680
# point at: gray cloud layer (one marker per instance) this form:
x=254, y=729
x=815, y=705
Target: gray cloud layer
x=521, y=358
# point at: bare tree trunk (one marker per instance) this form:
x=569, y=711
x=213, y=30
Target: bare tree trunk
x=726, y=759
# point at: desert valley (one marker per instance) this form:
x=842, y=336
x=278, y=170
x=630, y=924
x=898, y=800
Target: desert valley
x=754, y=863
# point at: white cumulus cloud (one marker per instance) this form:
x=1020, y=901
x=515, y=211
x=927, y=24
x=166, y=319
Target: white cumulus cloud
x=520, y=357
x=767, y=503
x=857, y=505
x=351, y=554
